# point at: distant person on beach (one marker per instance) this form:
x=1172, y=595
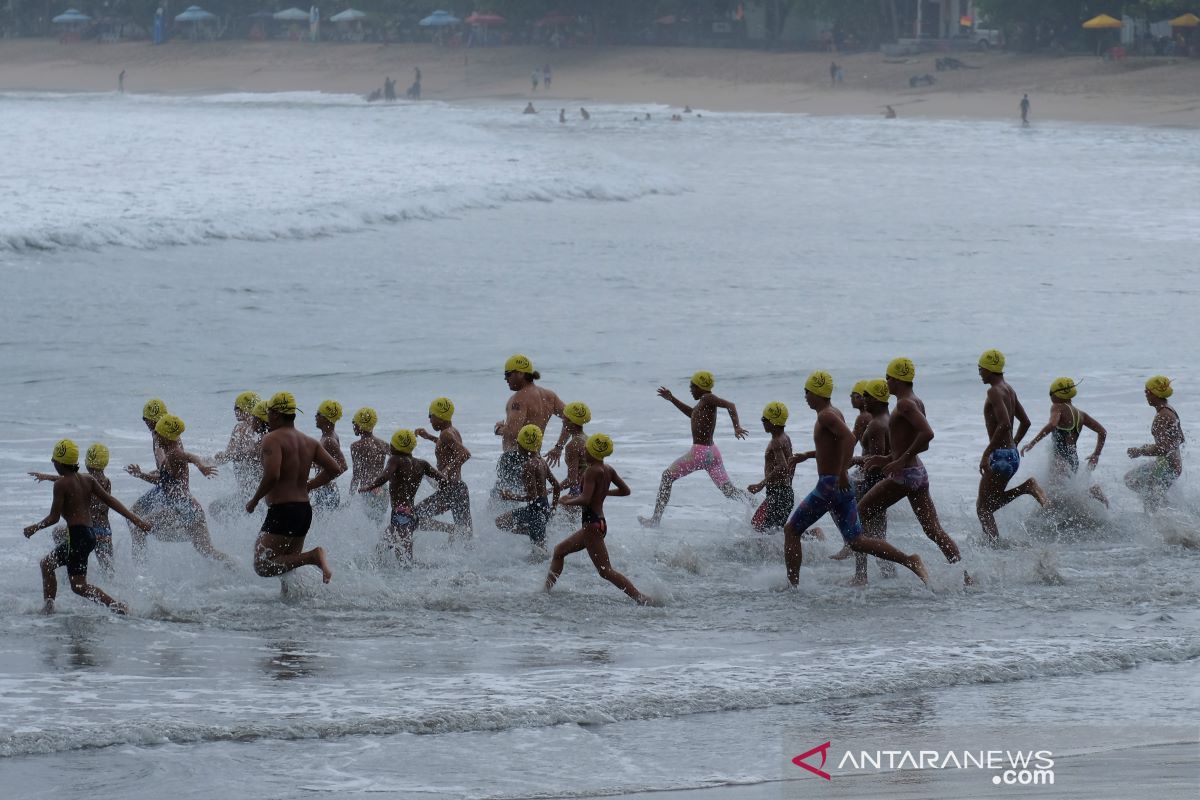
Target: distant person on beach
x=414, y=91
x=121, y=82
x=833, y=495
x=170, y=506
x=909, y=435
x=533, y=475
x=529, y=109
x=546, y=76
x=703, y=454
x=73, y=498
x=403, y=473
x=287, y=458
x=242, y=452
x=890, y=113
x=562, y=116
x=583, y=112
x=597, y=479
x=416, y=74
x=389, y=89
x=452, y=494
x=95, y=460
x=1025, y=110
x=778, y=471
x=1065, y=425
x=1152, y=481
x=833, y=71
x=529, y=404
x=876, y=445
x=534, y=77
x=367, y=457
x=327, y=497
x=1001, y=460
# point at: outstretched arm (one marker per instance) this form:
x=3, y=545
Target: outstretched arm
x=389, y=471
x=1044, y=432
x=738, y=430
x=205, y=469
x=54, y=515
x=666, y=394
x=117, y=506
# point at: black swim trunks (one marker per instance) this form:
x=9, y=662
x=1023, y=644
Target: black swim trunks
x=74, y=552
x=531, y=520
x=594, y=520
x=288, y=519
x=773, y=514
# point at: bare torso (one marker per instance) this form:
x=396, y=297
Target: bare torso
x=368, y=455
x=998, y=412
x=575, y=456
x=450, y=454
x=77, y=492
x=297, y=453
x=901, y=430
x=828, y=435
x=778, y=461
x=333, y=446
x=406, y=480
x=601, y=476
x=1168, y=435
x=98, y=509
x=530, y=405
x=875, y=437
x=704, y=420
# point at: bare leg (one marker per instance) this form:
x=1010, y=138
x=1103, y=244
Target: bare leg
x=793, y=553
x=881, y=549
x=664, y=497
x=572, y=544
x=49, y=583
x=275, y=554
x=993, y=496
x=203, y=544
x=1098, y=493
x=599, y=553
x=922, y=505
x=734, y=493
x=81, y=587
x=872, y=509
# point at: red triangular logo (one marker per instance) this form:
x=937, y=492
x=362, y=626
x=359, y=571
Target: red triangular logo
x=823, y=749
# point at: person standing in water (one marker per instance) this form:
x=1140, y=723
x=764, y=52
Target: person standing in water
x=1065, y=425
x=1025, y=110
x=404, y=473
x=242, y=452
x=121, y=82
x=287, y=459
x=778, y=471
x=1000, y=460
x=367, y=457
x=530, y=519
x=73, y=499
x=833, y=494
x=1152, y=481
x=452, y=494
x=96, y=460
x=703, y=455
x=597, y=479
x=327, y=497
x=529, y=404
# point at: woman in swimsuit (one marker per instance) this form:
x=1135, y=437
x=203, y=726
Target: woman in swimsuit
x=1065, y=425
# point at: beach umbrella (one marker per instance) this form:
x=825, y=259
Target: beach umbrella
x=439, y=19
x=70, y=17
x=485, y=20
x=349, y=15
x=292, y=14
x=1102, y=22
x=195, y=14
x=1186, y=21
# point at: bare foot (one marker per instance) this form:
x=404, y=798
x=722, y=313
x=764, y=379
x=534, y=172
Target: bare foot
x=813, y=533
x=918, y=566
x=120, y=609
x=48, y=607
x=648, y=522
x=843, y=554
x=322, y=563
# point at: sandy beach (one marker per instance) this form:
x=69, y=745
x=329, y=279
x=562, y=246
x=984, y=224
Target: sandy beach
x=1137, y=91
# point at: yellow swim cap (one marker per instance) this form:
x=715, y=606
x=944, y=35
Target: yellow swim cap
x=404, y=440
x=97, y=456
x=259, y=411
x=170, y=427
x=1160, y=386
x=820, y=383
x=519, y=363
x=442, y=408
x=366, y=419
x=1063, y=388
x=153, y=409
x=776, y=413
x=902, y=369
x=246, y=401
x=283, y=403
x=992, y=361
x=599, y=446
x=578, y=413
x=66, y=453
x=860, y=388
x=330, y=410
x=878, y=389
x=530, y=438
x=704, y=379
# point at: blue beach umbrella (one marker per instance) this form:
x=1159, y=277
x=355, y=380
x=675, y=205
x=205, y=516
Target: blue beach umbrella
x=195, y=14
x=71, y=16
x=292, y=14
x=439, y=19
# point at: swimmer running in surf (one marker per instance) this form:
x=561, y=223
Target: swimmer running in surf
x=1152, y=481
x=287, y=459
x=452, y=494
x=875, y=442
x=575, y=416
x=778, y=471
x=530, y=519
x=73, y=500
x=327, y=497
x=1066, y=424
x=529, y=404
x=96, y=460
x=242, y=452
x=367, y=457
x=597, y=479
x=703, y=455
x=404, y=473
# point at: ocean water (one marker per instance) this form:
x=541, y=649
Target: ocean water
x=191, y=248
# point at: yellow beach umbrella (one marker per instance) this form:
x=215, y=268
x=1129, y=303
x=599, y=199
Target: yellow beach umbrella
x=1104, y=21
x=1185, y=21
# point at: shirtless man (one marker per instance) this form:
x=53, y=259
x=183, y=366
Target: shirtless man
x=1151, y=481
x=575, y=416
x=405, y=473
x=73, y=496
x=597, y=479
x=327, y=497
x=858, y=403
x=778, y=471
x=1065, y=425
x=833, y=493
x=287, y=459
x=367, y=457
x=530, y=404
x=1000, y=459
x=452, y=494
x=242, y=452
x=875, y=441
x=909, y=435
x=96, y=460
x=704, y=454
x=530, y=519
x=175, y=513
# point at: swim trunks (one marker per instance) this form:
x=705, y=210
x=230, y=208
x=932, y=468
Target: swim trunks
x=403, y=517
x=288, y=519
x=104, y=543
x=773, y=514
x=531, y=520
x=1005, y=462
x=826, y=497
x=326, y=498
x=593, y=520
x=701, y=457
x=509, y=469
x=913, y=479
x=866, y=482
x=378, y=503
x=451, y=496
x=75, y=550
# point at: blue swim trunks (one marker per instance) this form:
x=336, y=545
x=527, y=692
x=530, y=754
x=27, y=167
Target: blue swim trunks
x=1005, y=462
x=828, y=498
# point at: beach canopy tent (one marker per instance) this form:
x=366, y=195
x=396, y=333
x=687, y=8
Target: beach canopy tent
x=485, y=20
x=195, y=14
x=71, y=17
x=292, y=14
x=1102, y=22
x=439, y=19
x=349, y=15
x=1185, y=21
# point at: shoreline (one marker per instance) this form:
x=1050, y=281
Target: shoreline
x=1140, y=91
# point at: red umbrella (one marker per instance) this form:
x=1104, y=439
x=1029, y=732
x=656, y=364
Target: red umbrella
x=485, y=19
x=554, y=18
